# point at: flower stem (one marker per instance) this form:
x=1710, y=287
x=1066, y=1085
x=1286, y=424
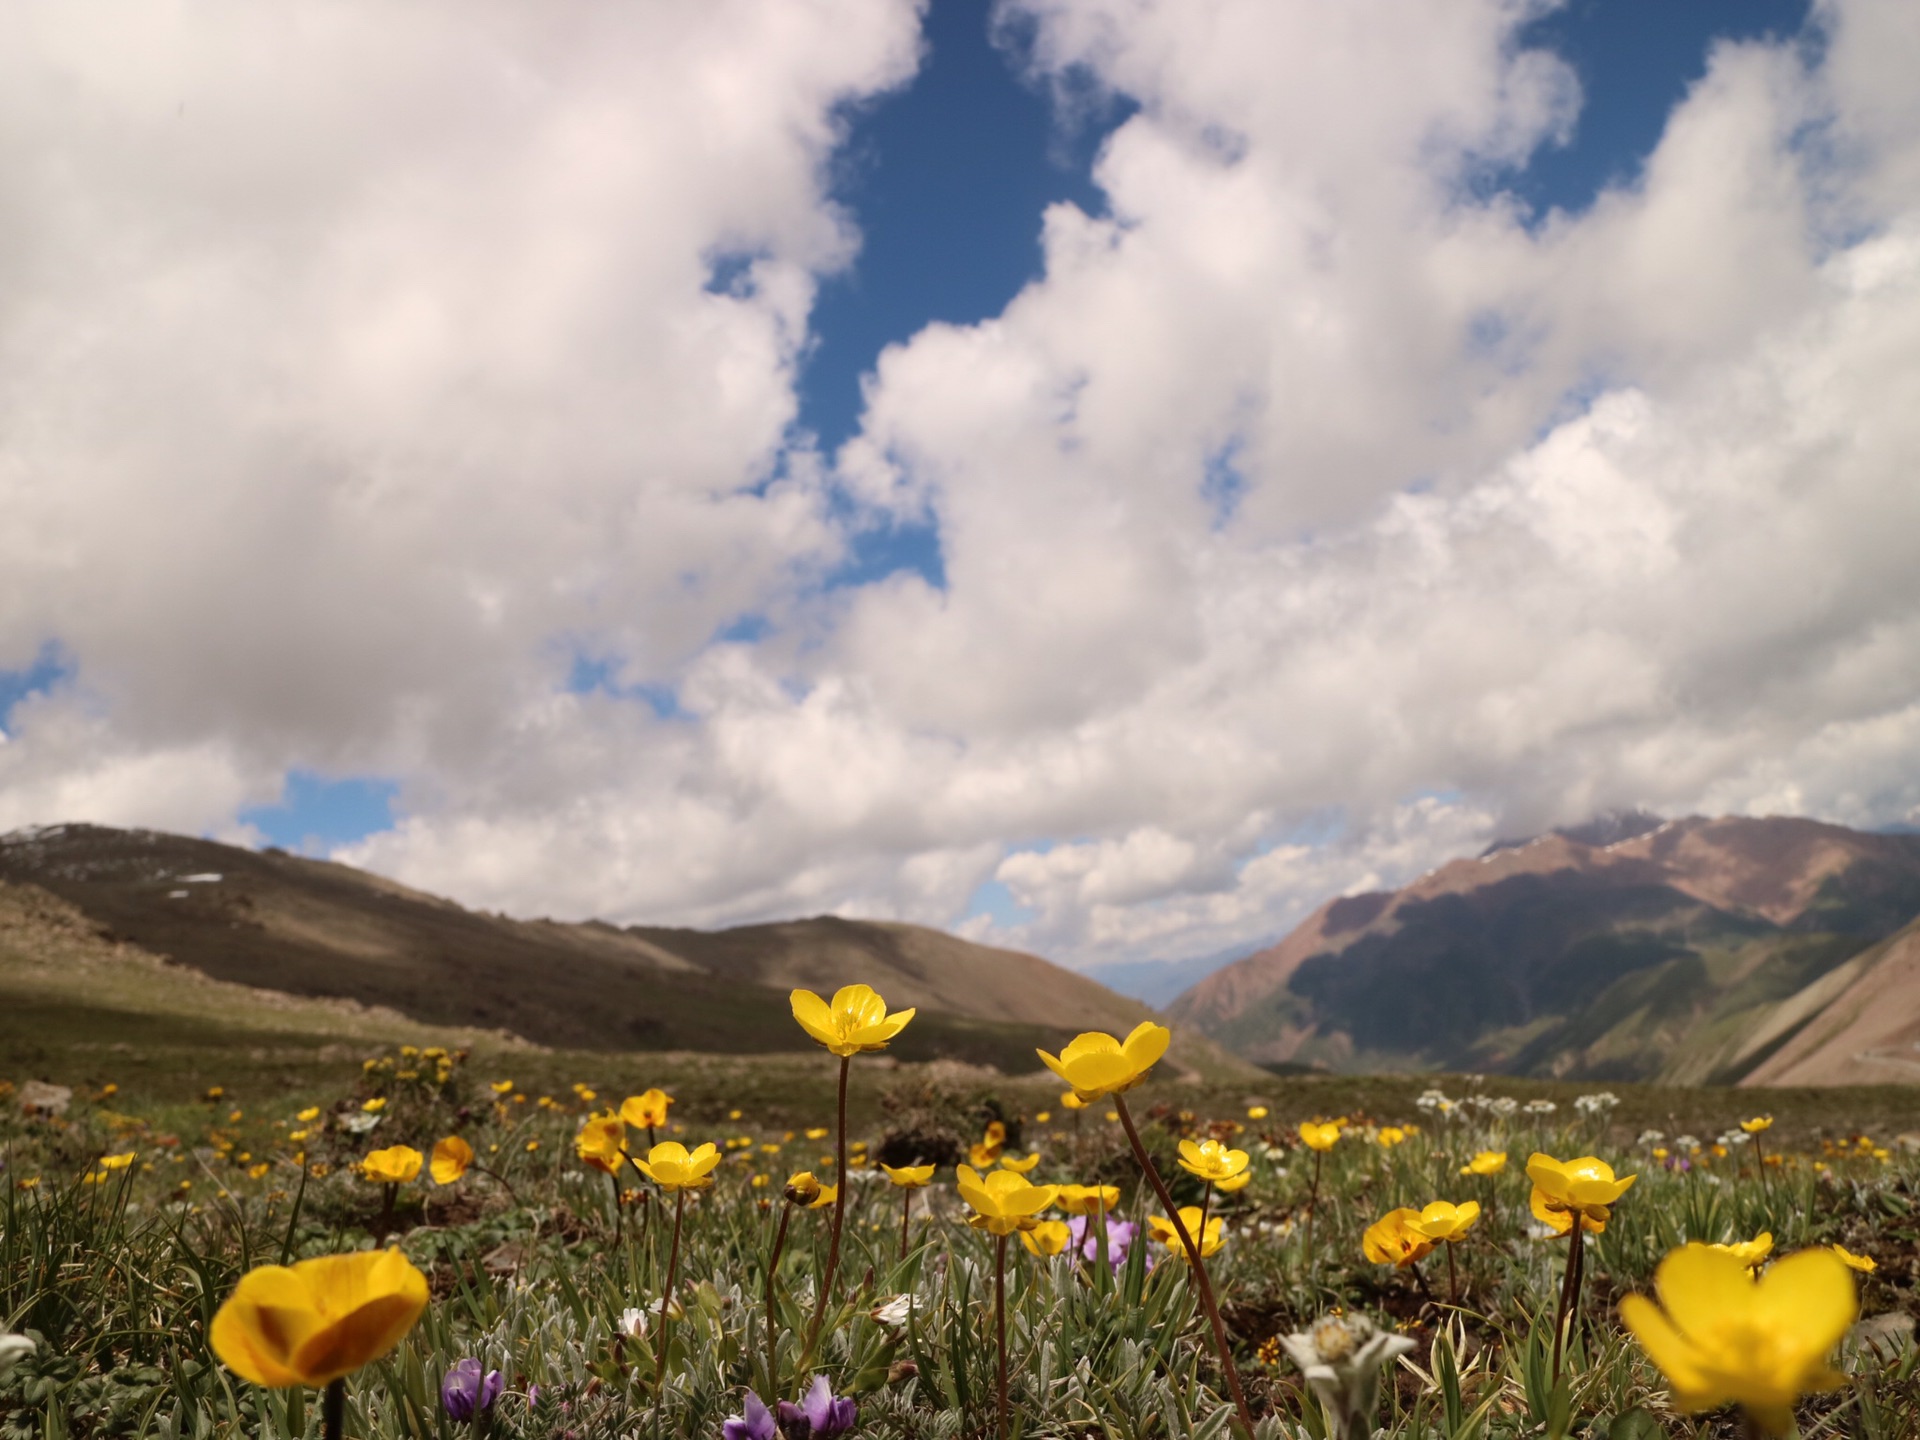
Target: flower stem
x=1197, y=1266
x=839, y=1214
x=1313, y=1198
x=906, y=1214
x=333, y=1409
x=1000, y=1321
x=666, y=1298
x=773, y=1324
x=1453, y=1279
x=1570, y=1290
x=618, y=1222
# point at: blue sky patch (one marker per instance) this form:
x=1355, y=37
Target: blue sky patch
x=316, y=814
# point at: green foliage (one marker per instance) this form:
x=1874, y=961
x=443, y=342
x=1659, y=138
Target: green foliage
x=117, y=1277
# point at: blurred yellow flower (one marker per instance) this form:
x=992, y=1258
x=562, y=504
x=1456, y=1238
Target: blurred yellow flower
x=308, y=1115
x=647, y=1110
x=118, y=1162
x=375, y=1105
x=1002, y=1200
x=451, y=1157
x=1749, y=1252
x=857, y=1019
x=1096, y=1064
x=1234, y=1184
x=1865, y=1264
x=1043, y=1117
x=396, y=1165
x=1071, y=1101
x=1211, y=1160
x=672, y=1167
x=1394, y=1240
x=803, y=1189
x=1209, y=1241
x=817, y=1132
x=1316, y=1136
x=982, y=1154
x=1020, y=1167
x=1390, y=1135
x=1257, y=1112
x=313, y=1322
x=501, y=1087
x=1443, y=1221
x=1721, y=1336
x=1757, y=1124
x=1584, y=1186
x=1048, y=1237
x=601, y=1143
x=909, y=1177
x=1486, y=1162
x=1087, y=1199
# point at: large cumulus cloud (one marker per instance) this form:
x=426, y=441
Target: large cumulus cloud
x=1318, y=513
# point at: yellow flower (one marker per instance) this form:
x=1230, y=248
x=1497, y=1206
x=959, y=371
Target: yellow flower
x=1043, y=1117
x=1487, y=1162
x=1721, y=1336
x=1257, y=1112
x=1048, y=1237
x=1071, y=1101
x=671, y=1166
x=1865, y=1264
x=856, y=1020
x=804, y=1189
x=817, y=1132
x=1749, y=1252
x=1757, y=1124
x=1096, y=1064
x=311, y=1323
x=1020, y=1167
x=1208, y=1242
x=1442, y=1221
x=395, y=1165
x=1211, y=1160
x=1319, y=1137
x=501, y=1087
x=118, y=1162
x=308, y=1115
x=1002, y=1200
x=1390, y=1135
x=451, y=1157
x=1585, y=1186
x=1087, y=1199
x=982, y=1155
x=647, y=1110
x=1234, y=1184
x=909, y=1177
x=1394, y=1240
x=375, y=1105
x=601, y=1143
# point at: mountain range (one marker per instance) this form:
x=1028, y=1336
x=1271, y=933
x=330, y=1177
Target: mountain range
x=285, y=923
x=1775, y=950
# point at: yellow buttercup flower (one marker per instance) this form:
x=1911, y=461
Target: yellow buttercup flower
x=1442, y=1221
x=602, y=1143
x=804, y=1189
x=1757, y=1124
x=1088, y=1199
x=118, y=1162
x=671, y=1166
x=1256, y=1112
x=1234, y=1184
x=308, y=1115
x=1048, y=1237
x=1865, y=1264
x=311, y=1323
x=647, y=1110
x=395, y=1165
x=1316, y=1136
x=1390, y=1135
x=501, y=1087
x=856, y=1020
x=451, y=1157
x=1486, y=1162
x=1208, y=1241
x=1749, y=1252
x=1585, y=1186
x=1720, y=1336
x=982, y=1154
x=1020, y=1167
x=1071, y=1101
x=1096, y=1064
x=909, y=1177
x=1002, y=1200
x=1043, y=1117
x=1393, y=1239
x=1211, y=1160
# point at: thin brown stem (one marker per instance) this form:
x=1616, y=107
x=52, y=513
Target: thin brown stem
x=839, y=1213
x=333, y=1410
x=906, y=1214
x=666, y=1298
x=1313, y=1198
x=1196, y=1265
x=1000, y=1321
x=1453, y=1279
x=1570, y=1291
x=773, y=1323
x=619, y=1222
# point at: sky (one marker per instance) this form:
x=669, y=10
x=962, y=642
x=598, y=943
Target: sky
x=1099, y=476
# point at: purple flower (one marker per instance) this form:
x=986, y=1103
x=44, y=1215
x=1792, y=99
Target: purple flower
x=466, y=1392
x=817, y=1417
x=755, y=1424
x=1119, y=1238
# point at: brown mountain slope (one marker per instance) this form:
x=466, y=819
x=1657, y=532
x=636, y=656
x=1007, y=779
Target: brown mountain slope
x=309, y=927
x=1558, y=956
x=1858, y=1025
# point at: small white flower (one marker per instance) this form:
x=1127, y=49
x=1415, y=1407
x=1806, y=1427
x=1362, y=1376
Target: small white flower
x=13, y=1349
x=1341, y=1357
x=894, y=1310
x=359, y=1122
x=1541, y=1107
x=1651, y=1137
x=633, y=1322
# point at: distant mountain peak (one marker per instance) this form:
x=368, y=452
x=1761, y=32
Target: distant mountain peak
x=1609, y=827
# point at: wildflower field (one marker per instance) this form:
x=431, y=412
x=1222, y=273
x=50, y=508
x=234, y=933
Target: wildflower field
x=450, y=1244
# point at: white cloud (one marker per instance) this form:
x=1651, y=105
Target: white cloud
x=349, y=435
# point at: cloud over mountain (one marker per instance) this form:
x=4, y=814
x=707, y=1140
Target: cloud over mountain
x=1320, y=511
